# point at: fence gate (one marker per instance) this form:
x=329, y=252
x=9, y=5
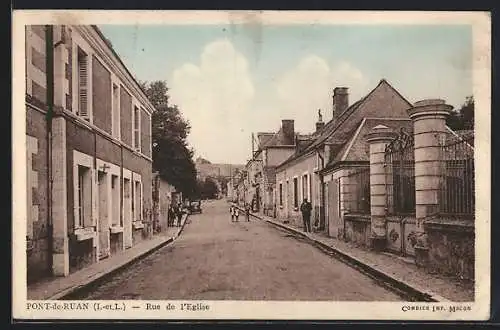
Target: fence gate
x=400, y=190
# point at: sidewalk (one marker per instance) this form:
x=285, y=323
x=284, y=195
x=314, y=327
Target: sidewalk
x=59, y=287
x=400, y=271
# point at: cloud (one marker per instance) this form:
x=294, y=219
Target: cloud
x=218, y=97
x=214, y=95
x=308, y=86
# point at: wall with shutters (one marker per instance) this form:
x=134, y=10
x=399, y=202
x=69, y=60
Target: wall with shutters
x=101, y=96
x=145, y=133
x=126, y=116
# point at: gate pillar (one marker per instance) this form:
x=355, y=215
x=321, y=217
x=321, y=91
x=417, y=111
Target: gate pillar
x=429, y=127
x=378, y=138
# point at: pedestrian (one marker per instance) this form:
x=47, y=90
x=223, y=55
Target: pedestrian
x=236, y=213
x=179, y=214
x=247, y=212
x=306, y=208
x=171, y=216
x=231, y=211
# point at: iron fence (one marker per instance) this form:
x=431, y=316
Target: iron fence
x=359, y=183
x=457, y=193
x=400, y=174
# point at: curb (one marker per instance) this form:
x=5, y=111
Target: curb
x=93, y=281
x=393, y=283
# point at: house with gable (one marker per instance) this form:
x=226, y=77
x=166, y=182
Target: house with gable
x=272, y=150
x=306, y=173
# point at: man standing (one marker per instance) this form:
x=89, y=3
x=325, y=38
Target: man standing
x=171, y=216
x=306, y=208
x=179, y=214
x=247, y=212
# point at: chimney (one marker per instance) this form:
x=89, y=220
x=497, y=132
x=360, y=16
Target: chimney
x=319, y=124
x=288, y=131
x=340, y=101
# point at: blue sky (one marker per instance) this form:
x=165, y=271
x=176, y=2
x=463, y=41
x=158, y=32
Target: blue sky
x=232, y=80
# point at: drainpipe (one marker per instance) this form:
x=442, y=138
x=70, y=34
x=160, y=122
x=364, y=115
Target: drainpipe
x=321, y=192
x=49, y=65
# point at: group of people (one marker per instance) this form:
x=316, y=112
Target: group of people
x=175, y=213
x=305, y=209
x=235, y=212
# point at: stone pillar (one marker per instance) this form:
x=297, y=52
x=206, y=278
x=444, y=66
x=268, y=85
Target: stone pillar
x=60, y=243
x=429, y=127
x=378, y=138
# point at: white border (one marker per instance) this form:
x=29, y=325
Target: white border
x=267, y=309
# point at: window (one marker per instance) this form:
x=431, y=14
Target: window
x=115, y=195
x=281, y=194
x=137, y=204
x=84, y=208
x=82, y=80
x=305, y=187
x=116, y=111
x=137, y=125
x=295, y=193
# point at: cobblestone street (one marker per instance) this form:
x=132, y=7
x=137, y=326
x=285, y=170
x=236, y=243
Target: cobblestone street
x=215, y=259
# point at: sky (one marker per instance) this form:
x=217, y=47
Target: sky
x=234, y=80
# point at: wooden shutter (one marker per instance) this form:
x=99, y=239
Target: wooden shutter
x=83, y=86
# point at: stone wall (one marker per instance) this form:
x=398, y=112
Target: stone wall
x=451, y=247
x=38, y=253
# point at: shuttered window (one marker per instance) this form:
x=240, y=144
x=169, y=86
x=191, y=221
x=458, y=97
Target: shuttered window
x=83, y=105
x=137, y=135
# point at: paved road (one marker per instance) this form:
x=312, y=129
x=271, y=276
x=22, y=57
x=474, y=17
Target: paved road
x=216, y=259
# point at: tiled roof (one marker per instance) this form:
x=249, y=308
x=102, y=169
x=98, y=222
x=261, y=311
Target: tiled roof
x=356, y=148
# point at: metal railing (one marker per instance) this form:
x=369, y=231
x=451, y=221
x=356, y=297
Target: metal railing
x=457, y=193
x=400, y=174
x=359, y=186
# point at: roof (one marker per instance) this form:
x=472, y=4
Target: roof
x=332, y=132
x=356, y=148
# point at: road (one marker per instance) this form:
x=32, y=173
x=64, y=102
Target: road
x=215, y=259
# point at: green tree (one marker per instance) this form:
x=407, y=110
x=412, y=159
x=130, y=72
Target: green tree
x=172, y=156
x=463, y=119
x=207, y=188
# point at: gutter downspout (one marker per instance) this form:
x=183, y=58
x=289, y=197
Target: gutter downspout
x=321, y=192
x=49, y=64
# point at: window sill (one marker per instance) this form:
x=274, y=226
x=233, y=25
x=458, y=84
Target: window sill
x=281, y=207
x=138, y=225
x=83, y=234
x=115, y=229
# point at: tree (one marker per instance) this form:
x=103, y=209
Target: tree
x=207, y=188
x=463, y=119
x=172, y=156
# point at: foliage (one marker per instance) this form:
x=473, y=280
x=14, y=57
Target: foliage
x=172, y=156
x=207, y=189
x=463, y=119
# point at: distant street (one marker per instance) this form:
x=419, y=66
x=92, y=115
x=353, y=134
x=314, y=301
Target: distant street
x=216, y=259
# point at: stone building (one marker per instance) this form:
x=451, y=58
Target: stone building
x=302, y=174
x=88, y=131
x=390, y=176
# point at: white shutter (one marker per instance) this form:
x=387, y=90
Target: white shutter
x=83, y=87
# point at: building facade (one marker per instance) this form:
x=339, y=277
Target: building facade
x=88, y=131
x=300, y=175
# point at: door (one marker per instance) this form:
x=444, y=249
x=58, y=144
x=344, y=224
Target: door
x=335, y=225
x=127, y=213
x=103, y=207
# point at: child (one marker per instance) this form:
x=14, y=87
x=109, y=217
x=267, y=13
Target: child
x=247, y=212
x=231, y=210
x=236, y=213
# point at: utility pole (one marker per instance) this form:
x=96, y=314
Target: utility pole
x=253, y=147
